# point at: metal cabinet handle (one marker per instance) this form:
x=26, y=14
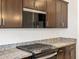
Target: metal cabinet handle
x=60, y=51
x=71, y=47
x=63, y=24
x=2, y=22
x=47, y=23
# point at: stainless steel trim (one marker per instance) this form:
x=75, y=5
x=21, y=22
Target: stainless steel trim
x=48, y=56
x=34, y=11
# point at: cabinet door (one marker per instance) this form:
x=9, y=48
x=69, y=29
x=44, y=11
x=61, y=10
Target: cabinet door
x=64, y=14
x=51, y=14
x=67, y=53
x=61, y=14
x=70, y=52
x=28, y=3
x=58, y=14
x=73, y=52
x=61, y=54
x=12, y=13
x=40, y=5
x=0, y=11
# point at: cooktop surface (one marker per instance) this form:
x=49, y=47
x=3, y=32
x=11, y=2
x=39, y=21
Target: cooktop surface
x=36, y=48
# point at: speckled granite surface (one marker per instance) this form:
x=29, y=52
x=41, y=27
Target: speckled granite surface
x=14, y=54
x=51, y=40
x=58, y=42
x=6, y=51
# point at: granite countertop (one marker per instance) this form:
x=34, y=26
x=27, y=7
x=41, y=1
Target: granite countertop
x=14, y=53
x=62, y=44
x=59, y=42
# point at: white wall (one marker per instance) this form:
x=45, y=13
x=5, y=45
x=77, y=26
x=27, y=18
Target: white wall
x=78, y=32
x=8, y=36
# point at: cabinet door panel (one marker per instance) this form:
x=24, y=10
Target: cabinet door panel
x=12, y=13
x=0, y=11
x=61, y=54
x=58, y=13
x=64, y=14
x=40, y=5
x=51, y=14
x=61, y=14
x=67, y=53
x=4, y=11
x=73, y=52
x=70, y=52
x=28, y=3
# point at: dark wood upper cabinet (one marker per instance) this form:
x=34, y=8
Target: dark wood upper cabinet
x=61, y=14
x=51, y=14
x=64, y=14
x=58, y=13
x=12, y=13
x=28, y=3
x=40, y=5
x=0, y=12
